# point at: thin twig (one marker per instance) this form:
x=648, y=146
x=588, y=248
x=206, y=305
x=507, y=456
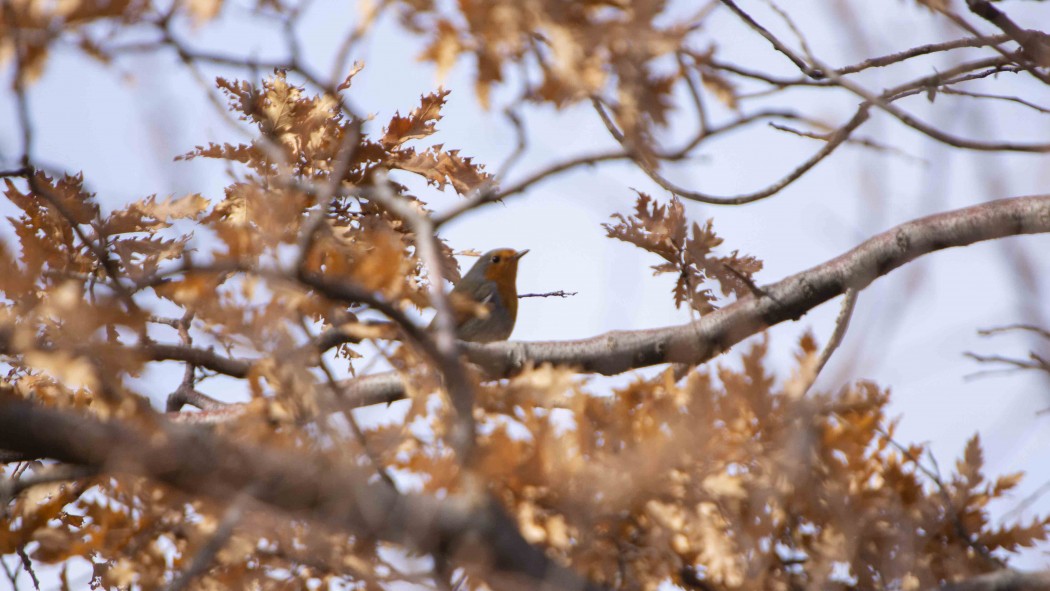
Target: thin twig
x=12, y=574
x=858, y=141
x=1027, y=502
x=519, y=146
x=812, y=72
x=11, y=488
x=1042, y=332
x=550, y=294
x=835, y=139
x=1035, y=361
x=997, y=97
x=849, y=301
x=206, y=554
x=460, y=388
x=27, y=565
x=342, y=56
x=896, y=58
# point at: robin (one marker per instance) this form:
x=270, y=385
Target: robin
x=485, y=301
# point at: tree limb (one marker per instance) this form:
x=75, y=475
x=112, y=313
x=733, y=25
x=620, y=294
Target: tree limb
x=1003, y=580
x=696, y=342
x=472, y=530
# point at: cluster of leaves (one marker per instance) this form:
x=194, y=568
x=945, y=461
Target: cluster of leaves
x=664, y=230
x=28, y=29
x=727, y=478
x=723, y=479
x=63, y=317
x=89, y=299
x=580, y=50
x=77, y=314
x=134, y=533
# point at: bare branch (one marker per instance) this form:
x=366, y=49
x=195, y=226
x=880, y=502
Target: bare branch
x=806, y=69
x=835, y=139
x=206, y=554
x=27, y=565
x=187, y=395
x=550, y=294
x=895, y=58
x=1039, y=331
x=18, y=172
x=841, y=325
x=459, y=386
x=207, y=358
x=1034, y=361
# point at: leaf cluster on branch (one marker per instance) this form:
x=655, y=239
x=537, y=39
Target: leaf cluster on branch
x=664, y=231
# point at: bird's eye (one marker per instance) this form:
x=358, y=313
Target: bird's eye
x=495, y=258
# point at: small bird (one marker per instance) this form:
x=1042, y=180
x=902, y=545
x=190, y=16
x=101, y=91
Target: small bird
x=491, y=285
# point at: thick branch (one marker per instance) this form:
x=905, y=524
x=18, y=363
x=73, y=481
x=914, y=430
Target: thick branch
x=474, y=532
x=788, y=299
x=1003, y=580
x=207, y=358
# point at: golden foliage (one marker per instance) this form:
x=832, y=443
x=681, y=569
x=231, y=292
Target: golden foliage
x=583, y=49
x=725, y=478
x=720, y=477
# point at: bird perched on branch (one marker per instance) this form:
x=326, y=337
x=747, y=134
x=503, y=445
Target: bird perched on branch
x=485, y=301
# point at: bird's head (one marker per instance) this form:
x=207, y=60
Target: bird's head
x=499, y=265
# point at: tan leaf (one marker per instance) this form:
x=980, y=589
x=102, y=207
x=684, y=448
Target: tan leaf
x=419, y=123
x=444, y=48
x=203, y=11
x=725, y=486
x=720, y=87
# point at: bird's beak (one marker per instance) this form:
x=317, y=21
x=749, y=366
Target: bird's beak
x=521, y=253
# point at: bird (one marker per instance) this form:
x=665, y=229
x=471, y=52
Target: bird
x=485, y=300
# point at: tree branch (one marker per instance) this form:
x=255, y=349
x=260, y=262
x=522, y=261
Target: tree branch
x=472, y=530
x=1003, y=580
x=696, y=342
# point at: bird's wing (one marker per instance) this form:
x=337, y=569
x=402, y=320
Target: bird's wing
x=482, y=293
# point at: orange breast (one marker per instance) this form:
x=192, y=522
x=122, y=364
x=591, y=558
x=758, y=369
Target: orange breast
x=505, y=276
